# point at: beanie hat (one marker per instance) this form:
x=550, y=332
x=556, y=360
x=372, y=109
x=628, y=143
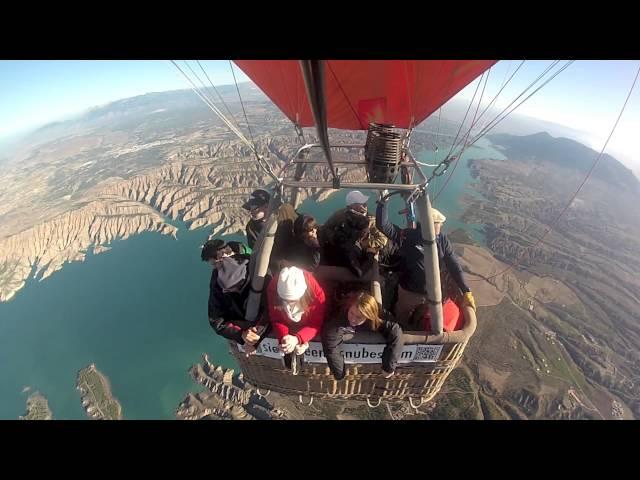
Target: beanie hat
x=291, y=284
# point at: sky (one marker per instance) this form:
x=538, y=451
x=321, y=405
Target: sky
x=34, y=92
x=587, y=96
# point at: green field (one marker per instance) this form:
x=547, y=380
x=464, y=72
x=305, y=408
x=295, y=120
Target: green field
x=95, y=390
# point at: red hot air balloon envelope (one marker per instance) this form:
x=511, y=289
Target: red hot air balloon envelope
x=358, y=92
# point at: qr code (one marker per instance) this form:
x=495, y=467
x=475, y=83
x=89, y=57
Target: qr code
x=427, y=353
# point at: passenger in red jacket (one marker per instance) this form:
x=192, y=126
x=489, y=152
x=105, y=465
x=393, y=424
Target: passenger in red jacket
x=453, y=317
x=296, y=309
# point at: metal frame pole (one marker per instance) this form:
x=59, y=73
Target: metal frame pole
x=431, y=263
x=263, y=255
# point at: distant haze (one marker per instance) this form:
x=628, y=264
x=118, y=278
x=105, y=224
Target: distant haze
x=453, y=111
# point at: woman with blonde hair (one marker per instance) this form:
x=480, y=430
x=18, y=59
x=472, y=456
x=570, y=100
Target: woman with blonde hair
x=360, y=311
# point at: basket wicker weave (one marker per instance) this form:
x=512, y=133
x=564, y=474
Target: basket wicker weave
x=419, y=381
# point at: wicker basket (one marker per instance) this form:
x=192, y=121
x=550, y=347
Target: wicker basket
x=412, y=381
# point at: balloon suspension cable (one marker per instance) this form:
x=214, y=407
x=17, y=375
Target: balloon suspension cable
x=475, y=114
x=299, y=131
x=262, y=164
x=505, y=82
x=502, y=115
x=435, y=157
x=466, y=138
x=217, y=92
x=266, y=167
x=573, y=197
x=497, y=118
x=464, y=119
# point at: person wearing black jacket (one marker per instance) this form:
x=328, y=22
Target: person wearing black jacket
x=412, y=289
x=361, y=312
x=257, y=205
x=342, y=244
x=228, y=293
x=304, y=250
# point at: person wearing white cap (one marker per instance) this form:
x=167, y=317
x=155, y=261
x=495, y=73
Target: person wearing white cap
x=344, y=238
x=296, y=309
x=356, y=201
x=412, y=289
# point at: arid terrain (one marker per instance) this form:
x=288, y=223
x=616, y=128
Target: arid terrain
x=558, y=334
